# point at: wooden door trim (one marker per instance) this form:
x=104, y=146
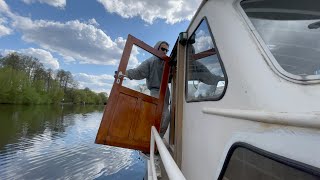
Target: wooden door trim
x=134, y=93
x=179, y=103
x=203, y=54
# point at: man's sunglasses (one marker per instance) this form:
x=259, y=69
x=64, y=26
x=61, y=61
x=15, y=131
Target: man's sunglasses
x=164, y=49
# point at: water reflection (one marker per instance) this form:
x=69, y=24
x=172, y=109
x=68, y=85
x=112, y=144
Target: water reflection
x=45, y=142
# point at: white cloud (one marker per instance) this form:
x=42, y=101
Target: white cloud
x=93, y=22
x=4, y=7
x=172, y=11
x=132, y=84
x=43, y=56
x=4, y=30
x=55, y=3
x=68, y=59
x=3, y=20
x=6, y=51
x=133, y=60
x=72, y=39
x=203, y=41
x=94, y=81
x=99, y=90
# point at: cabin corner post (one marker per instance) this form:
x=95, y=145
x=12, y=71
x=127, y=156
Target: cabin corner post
x=179, y=101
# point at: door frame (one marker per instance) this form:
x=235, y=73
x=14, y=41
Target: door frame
x=104, y=129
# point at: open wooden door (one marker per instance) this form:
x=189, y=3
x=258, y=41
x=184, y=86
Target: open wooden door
x=129, y=114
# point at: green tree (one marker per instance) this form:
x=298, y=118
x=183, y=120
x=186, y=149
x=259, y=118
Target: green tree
x=24, y=80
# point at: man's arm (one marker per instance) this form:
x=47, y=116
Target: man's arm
x=209, y=78
x=140, y=72
x=203, y=74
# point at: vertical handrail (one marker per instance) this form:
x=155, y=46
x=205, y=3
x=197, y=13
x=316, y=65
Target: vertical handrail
x=170, y=165
x=153, y=167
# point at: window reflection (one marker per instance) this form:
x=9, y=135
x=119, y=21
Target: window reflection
x=291, y=33
x=205, y=76
x=137, y=56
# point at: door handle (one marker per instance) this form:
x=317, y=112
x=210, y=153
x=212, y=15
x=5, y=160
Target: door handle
x=120, y=75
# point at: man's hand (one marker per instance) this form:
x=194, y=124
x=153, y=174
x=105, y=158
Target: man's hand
x=120, y=75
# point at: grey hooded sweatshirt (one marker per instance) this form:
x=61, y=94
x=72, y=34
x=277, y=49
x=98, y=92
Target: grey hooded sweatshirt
x=151, y=69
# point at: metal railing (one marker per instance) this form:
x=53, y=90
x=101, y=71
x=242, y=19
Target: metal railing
x=170, y=165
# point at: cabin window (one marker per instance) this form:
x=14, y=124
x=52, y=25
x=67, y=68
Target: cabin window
x=253, y=163
x=290, y=30
x=205, y=78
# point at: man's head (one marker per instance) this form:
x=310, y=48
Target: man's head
x=162, y=46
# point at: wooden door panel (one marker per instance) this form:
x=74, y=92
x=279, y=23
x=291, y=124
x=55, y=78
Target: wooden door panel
x=145, y=121
x=129, y=114
x=126, y=108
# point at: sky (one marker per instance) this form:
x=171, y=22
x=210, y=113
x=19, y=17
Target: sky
x=86, y=37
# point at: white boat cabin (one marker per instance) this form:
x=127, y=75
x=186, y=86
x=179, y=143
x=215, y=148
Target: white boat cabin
x=258, y=119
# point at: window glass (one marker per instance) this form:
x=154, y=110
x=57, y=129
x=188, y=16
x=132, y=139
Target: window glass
x=205, y=77
x=246, y=164
x=137, y=56
x=291, y=31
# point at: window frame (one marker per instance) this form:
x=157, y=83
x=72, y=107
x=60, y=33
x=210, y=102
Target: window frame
x=280, y=159
x=270, y=59
x=220, y=62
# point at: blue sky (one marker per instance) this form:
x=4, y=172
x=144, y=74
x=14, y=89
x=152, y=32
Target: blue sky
x=87, y=37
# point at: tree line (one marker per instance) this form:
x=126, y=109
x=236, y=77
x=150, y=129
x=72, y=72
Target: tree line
x=24, y=80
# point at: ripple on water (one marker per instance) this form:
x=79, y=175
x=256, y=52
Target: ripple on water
x=70, y=153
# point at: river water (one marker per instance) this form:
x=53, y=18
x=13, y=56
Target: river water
x=57, y=142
